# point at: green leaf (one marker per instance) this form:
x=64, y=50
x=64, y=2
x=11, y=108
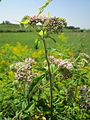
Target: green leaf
x=49, y=15
x=45, y=32
x=0, y=115
x=52, y=39
x=41, y=33
x=37, y=43
x=30, y=109
x=44, y=6
x=34, y=84
x=24, y=22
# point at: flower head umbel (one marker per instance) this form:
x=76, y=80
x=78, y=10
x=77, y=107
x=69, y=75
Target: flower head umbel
x=24, y=70
x=64, y=66
x=61, y=63
x=52, y=24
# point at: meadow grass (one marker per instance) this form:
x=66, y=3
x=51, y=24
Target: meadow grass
x=78, y=41
x=75, y=41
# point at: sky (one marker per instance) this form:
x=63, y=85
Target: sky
x=76, y=12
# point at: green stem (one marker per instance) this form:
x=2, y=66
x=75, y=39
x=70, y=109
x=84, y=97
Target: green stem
x=49, y=72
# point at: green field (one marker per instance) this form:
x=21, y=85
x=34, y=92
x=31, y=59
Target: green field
x=12, y=28
x=27, y=74
x=76, y=41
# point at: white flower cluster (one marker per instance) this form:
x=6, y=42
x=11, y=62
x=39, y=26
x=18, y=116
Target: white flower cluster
x=61, y=63
x=24, y=71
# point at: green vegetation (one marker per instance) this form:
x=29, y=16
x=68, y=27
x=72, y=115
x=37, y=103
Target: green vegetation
x=24, y=78
x=12, y=28
x=76, y=41
x=44, y=73
x=71, y=88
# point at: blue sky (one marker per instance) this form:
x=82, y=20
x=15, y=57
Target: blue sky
x=76, y=12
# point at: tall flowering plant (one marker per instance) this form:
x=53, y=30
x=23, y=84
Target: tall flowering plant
x=48, y=25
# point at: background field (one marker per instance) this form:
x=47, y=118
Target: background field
x=75, y=41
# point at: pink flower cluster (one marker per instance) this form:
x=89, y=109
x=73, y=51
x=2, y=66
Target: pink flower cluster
x=24, y=70
x=61, y=63
x=51, y=24
x=36, y=19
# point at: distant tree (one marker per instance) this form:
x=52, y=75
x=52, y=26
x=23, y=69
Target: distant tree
x=71, y=27
x=3, y=22
x=78, y=28
x=82, y=30
x=7, y=22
